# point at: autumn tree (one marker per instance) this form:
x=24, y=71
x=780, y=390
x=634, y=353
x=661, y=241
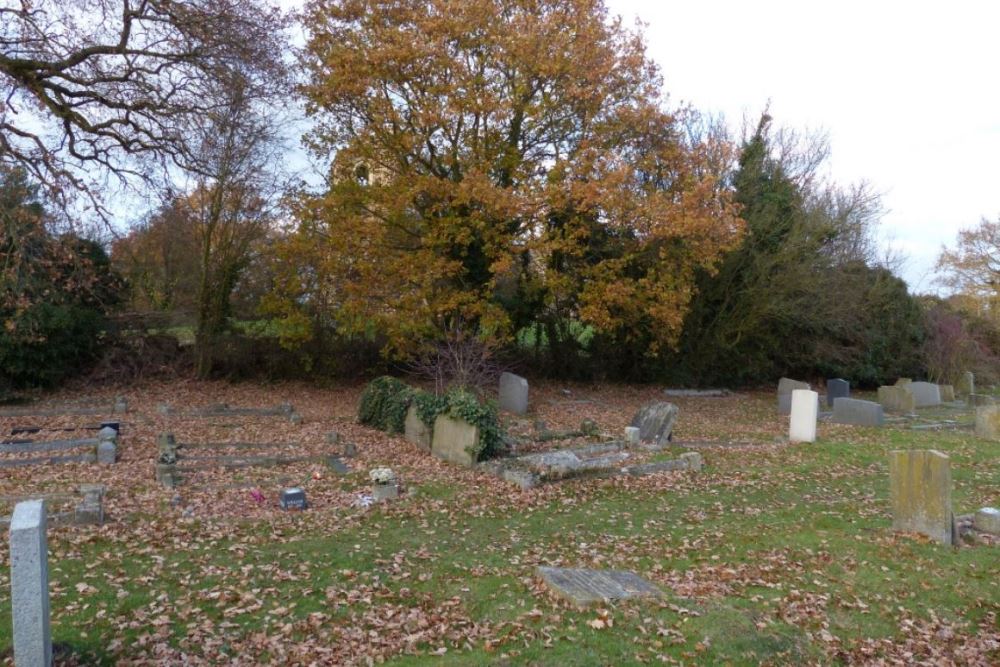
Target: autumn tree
x=971, y=269
x=93, y=88
x=499, y=165
x=56, y=289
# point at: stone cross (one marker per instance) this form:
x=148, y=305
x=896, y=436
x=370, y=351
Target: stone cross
x=29, y=585
x=802, y=421
x=920, y=493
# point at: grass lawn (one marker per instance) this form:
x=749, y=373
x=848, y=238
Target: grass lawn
x=773, y=554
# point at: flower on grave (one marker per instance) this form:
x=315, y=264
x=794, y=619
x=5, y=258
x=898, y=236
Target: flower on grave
x=382, y=476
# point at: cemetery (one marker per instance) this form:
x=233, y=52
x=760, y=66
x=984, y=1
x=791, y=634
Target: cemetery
x=482, y=332
x=598, y=515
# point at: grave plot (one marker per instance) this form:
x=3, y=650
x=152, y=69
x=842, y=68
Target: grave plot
x=180, y=461
x=83, y=505
x=285, y=410
x=20, y=452
x=118, y=407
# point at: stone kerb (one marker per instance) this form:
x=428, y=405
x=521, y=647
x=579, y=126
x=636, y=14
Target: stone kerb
x=802, y=420
x=920, y=493
x=454, y=440
x=785, y=388
x=29, y=585
x=513, y=393
x=857, y=412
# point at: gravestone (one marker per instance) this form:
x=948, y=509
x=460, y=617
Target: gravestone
x=987, y=520
x=802, y=420
x=29, y=585
x=920, y=493
x=857, y=412
x=415, y=430
x=585, y=588
x=785, y=389
x=903, y=382
x=631, y=436
x=383, y=492
x=692, y=460
x=925, y=394
x=332, y=438
x=656, y=423
x=947, y=393
x=966, y=384
x=454, y=440
x=896, y=399
x=837, y=388
x=293, y=499
x=513, y=393
x=107, y=446
x=988, y=422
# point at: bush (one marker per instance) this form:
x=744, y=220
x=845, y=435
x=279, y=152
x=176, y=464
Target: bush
x=386, y=400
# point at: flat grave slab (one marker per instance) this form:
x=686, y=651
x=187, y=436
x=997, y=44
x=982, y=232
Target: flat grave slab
x=585, y=588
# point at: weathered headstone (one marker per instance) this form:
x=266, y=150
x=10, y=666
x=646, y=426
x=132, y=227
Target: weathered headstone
x=837, y=388
x=454, y=440
x=656, y=423
x=857, y=412
x=383, y=492
x=692, y=460
x=29, y=585
x=988, y=422
x=947, y=393
x=802, y=420
x=920, y=493
x=987, y=520
x=896, y=399
x=91, y=508
x=107, y=446
x=925, y=394
x=121, y=405
x=785, y=389
x=415, y=430
x=903, y=382
x=293, y=499
x=966, y=384
x=513, y=393
x=632, y=435
x=585, y=588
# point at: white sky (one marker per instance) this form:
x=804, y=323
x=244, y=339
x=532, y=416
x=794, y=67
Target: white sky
x=907, y=92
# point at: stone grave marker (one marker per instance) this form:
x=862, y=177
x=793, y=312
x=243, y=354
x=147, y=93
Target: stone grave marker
x=513, y=393
x=293, y=499
x=903, y=382
x=585, y=588
x=966, y=384
x=920, y=493
x=802, y=420
x=785, y=388
x=107, y=446
x=415, y=430
x=837, y=388
x=947, y=393
x=988, y=422
x=987, y=520
x=29, y=585
x=925, y=394
x=896, y=399
x=632, y=436
x=656, y=423
x=857, y=412
x=453, y=439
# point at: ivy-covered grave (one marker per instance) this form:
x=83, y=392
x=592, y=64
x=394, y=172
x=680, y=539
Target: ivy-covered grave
x=456, y=426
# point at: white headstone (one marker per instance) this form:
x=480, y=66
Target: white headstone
x=804, y=410
x=29, y=585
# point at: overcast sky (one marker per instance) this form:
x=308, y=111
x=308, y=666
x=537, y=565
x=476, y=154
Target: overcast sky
x=907, y=91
